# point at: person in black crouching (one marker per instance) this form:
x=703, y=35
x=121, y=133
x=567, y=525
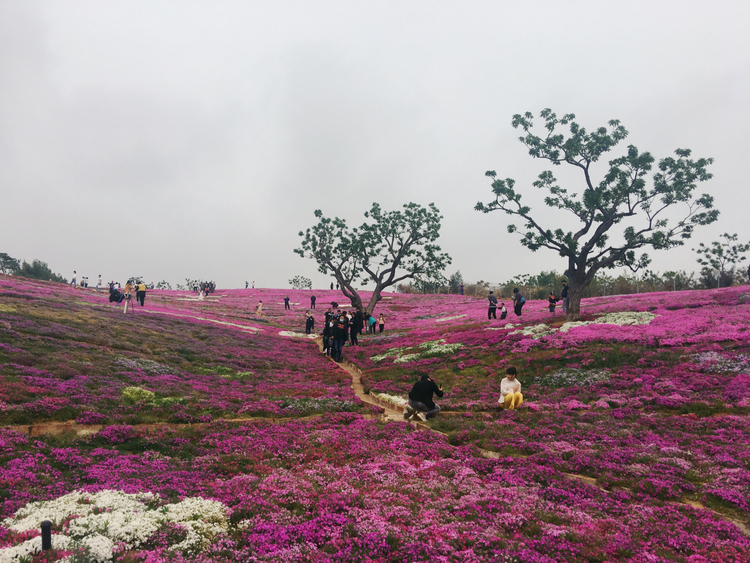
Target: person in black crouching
x=420, y=399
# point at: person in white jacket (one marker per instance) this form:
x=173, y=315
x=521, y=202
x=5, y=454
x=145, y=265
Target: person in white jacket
x=510, y=390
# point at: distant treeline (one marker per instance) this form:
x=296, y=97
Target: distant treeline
x=540, y=285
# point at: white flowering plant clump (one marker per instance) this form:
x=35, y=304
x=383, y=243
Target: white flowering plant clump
x=446, y=319
x=620, y=319
x=394, y=400
x=428, y=349
x=715, y=362
x=110, y=520
x=568, y=377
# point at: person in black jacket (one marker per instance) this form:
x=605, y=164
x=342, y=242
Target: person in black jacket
x=340, y=332
x=492, y=311
x=564, y=297
x=420, y=399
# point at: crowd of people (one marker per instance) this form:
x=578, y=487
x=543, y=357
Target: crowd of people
x=341, y=327
x=519, y=301
x=119, y=295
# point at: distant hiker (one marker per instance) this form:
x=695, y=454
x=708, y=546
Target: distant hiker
x=309, y=322
x=73, y=281
x=331, y=285
x=259, y=309
x=286, y=303
x=564, y=296
x=246, y=284
x=140, y=293
x=510, y=390
x=518, y=302
x=503, y=311
x=312, y=302
x=552, y=302
x=253, y=284
x=381, y=323
x=461, y=289
x=492, y=311
x=99, y=283
x=420, y=399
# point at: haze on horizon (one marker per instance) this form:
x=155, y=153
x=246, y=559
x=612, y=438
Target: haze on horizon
x=195, y=139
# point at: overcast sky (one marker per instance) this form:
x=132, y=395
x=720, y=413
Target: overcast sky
x=195, y=139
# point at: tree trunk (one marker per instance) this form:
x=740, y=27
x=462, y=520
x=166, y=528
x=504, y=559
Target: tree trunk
x=376, y=297
x=575, y=293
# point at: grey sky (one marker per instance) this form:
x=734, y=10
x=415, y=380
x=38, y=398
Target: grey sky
x=195, y=139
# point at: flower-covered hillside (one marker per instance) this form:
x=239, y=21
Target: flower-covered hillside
x=337, y=489
x=68, y=354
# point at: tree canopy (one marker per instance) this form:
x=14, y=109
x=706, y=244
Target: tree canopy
x=626, y=190
x=719, y=258
x=389, y=247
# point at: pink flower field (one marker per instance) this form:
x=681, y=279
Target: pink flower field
x=195, y=430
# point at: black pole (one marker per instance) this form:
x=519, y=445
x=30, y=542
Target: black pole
x=46, y=535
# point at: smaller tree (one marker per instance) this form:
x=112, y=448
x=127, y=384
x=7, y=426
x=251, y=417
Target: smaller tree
x=38, y=270
x=389, y=247
x=163, y=284
x=455, y=281
x=8, y=265
x=300, y=282
x=718, y=259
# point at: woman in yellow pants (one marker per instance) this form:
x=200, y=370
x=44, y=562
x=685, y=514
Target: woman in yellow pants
x=510, y=390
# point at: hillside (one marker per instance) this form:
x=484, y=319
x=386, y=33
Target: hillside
x=193, y=430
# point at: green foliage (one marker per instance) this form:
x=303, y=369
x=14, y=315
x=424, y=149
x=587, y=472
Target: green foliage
x=163, y=284
x=38, y=270
x=389, y=247
x=455, y=281
x=718, y=260
x=300, y=282
x=134, y=395
x=8, y=265
x=621, y=194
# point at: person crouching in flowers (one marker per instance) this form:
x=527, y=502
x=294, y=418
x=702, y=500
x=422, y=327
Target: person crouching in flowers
x=420, y=403
x=510, y=390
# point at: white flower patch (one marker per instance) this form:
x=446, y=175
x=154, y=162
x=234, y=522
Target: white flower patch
x=430, y=348
x=444, y=319
x=102, y=520
x=624, y=318
x=292, y=334
x=398, y=402
x=390, y=353
x=620, y=319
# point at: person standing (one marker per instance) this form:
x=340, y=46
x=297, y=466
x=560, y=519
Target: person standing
x=140, y=293
x=259, y=309
x=286, y=303
x=564, y=297
x=340, y=332
x=420, y=399
x=331, y=285
x=552, y=302
x=371, y=324
x=492, y=311
x=510, y=390
x=73, y=281
x=503, y=311
x=253, y=284
x=309, y=322
x=355, y=327
x=461, y=288
x=381, y=322
x=246, y=284
x=312, y=302
x=518, y=301
x=99, y=283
